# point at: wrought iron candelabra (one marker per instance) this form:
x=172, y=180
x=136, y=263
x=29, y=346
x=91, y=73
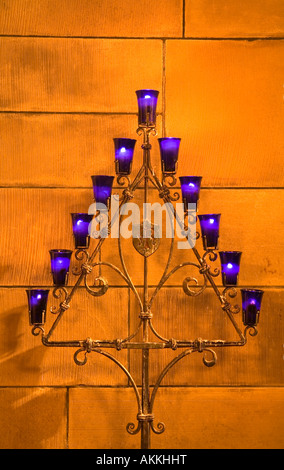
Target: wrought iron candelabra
x=146, y=245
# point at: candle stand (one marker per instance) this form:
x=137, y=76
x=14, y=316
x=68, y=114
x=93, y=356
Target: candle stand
x=146, y=246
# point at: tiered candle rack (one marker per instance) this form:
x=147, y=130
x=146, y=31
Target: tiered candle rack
x=146, y=246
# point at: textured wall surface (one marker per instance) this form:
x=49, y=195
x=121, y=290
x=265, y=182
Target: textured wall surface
x=68, y=74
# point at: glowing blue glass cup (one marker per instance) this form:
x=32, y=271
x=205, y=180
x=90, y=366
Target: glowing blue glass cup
x=147, y=105
x=124, y=149
x=102, y=187
x=169, y=148
x=251, y=303
x=210, y=224
x=60, y=263
x=37, y=302
x=80, y=225
x=190, y=190
x=230, y=267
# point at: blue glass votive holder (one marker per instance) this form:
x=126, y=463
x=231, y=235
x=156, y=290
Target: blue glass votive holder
x=230, y=267
x=124, y=149
x=80, y=225
x=190, y=189
x=251, y=303
x=102, y=187
x=210, y=224
x=169, y=148
x=147, y=105
x=37, y=302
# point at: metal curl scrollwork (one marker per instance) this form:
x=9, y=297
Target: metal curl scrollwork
x=232, y=293
x=132, y=429
x=169, y=180
x=57, y=293
x=212, y=255
x=209, y=362
x=123, y=180
x=149, y=417
x=193, y=293
x=154, y=132
x=159, y=429
x=124, y=276
x=251, y=330
x=100, y=289
x=146, y=130
x=37, y=329
x=77, y=360
x=164, y=193
x=201, y=348
x=175, y=196
x=80, y=255
x=190, y=216
x=185, y=283
x=86, y=348
x=172, y=180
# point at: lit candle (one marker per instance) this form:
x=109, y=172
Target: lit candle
x=60, y=263
x=251, y=303
x=80, y=224
x=102, y=187
x=190, y=189
x=209, y=224
x=37, y=301
x=169, y=147
x=147, y=104
x=124, y=149
x=230, y=266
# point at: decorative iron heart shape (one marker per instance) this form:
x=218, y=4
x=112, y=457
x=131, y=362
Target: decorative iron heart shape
x=145, y=243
